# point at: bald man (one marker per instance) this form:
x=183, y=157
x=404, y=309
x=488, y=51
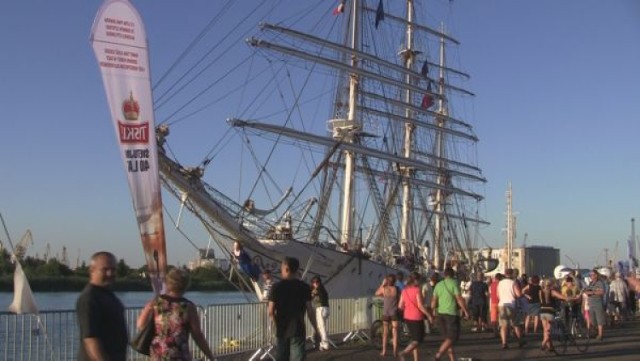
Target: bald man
x=103, y=328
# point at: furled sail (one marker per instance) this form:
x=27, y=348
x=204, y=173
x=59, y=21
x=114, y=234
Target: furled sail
x=120, y=45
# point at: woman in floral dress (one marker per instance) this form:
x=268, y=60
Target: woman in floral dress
x=175, y=319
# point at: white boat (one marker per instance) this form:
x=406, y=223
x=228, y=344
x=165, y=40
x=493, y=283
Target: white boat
x=341, y=148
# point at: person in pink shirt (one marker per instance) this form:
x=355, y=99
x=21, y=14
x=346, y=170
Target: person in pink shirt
x=414, y=313
x=493, y=303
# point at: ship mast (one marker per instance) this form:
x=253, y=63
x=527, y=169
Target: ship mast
x=442, y=177
x=511, y=231
x=408, y=56
x=348, y=131
x=632, y=241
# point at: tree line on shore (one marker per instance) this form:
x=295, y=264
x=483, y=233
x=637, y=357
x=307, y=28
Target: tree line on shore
x=51, y=275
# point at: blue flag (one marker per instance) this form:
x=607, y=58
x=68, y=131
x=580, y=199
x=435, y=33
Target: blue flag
x=379, y=13
x=425, y=68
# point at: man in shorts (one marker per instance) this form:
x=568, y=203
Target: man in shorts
x=595, y=292
x=446, y=300
x=508, y=293
x=479, y=302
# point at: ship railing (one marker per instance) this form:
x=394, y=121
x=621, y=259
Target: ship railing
x=228, y=328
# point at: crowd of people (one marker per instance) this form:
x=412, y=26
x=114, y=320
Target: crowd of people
x=516, y=308
x=506, y=304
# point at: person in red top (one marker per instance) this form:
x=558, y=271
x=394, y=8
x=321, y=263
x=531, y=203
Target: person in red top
x=493, y=303
x=414, y=313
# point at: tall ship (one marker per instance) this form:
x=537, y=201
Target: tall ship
x=331, y=136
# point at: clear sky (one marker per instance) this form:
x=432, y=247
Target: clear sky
x=557, y=113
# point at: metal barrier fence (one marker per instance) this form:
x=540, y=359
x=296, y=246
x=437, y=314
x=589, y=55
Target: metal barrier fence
x=228, y=328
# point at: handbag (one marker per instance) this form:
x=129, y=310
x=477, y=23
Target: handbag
x=142, y=340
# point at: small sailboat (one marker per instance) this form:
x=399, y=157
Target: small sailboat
x=23, y=300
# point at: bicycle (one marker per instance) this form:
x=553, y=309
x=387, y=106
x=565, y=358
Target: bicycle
x=376, y=330
x=578, y=327
x=575, y=334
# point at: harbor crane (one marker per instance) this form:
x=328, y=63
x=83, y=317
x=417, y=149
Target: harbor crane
x=576, y=265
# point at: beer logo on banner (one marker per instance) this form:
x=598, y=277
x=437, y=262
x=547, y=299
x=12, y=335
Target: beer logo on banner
x=131, y=131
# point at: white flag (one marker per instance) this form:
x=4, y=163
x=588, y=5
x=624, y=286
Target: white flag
x=23, y=300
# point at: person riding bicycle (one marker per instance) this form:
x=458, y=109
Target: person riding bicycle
x=550, y=302
x=570, y=290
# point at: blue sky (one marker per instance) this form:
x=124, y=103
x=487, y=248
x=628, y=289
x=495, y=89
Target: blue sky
x=557, y=112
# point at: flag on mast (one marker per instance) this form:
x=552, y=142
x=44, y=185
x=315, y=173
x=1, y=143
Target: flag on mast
x=379, y=13
x=425, y=68
x=427, y=99
x=120, y=44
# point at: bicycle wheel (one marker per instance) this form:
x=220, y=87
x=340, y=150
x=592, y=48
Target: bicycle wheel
x=404, y=337
x=559, y=338
x=375, y=334
x=580, y=334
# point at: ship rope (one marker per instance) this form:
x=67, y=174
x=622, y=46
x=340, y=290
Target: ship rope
x=191, y=46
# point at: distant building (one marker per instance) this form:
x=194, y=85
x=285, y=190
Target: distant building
x=207, y=257
x=207, y=253
x=532, y=260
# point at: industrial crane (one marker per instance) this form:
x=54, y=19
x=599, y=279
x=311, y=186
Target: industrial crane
x=576, y=265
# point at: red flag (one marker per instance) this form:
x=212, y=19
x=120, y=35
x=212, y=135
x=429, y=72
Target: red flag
x=427, y=99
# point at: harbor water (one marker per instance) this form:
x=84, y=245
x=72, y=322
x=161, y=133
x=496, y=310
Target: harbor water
x=231, y=324
x=58, y=301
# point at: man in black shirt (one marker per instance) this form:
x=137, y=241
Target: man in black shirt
x=103, y=328
x=479, y=302
x=289, y=300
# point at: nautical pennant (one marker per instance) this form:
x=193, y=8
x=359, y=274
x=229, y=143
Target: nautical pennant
x=425, y=68
x=379, y=13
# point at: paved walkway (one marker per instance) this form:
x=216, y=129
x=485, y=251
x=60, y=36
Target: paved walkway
x=621, y=343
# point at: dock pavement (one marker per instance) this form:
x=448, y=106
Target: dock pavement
x=620, y=343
